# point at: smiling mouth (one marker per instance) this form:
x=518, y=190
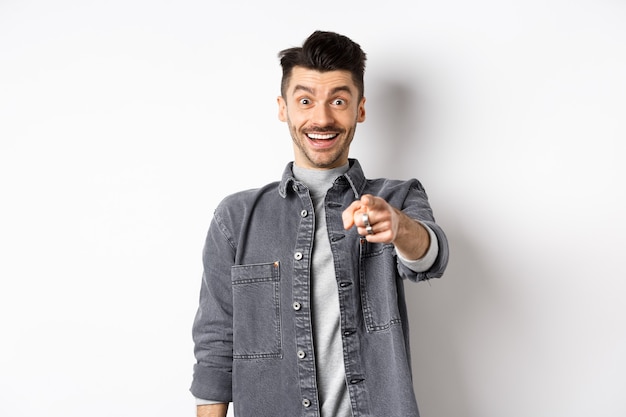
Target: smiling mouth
x=322, y=136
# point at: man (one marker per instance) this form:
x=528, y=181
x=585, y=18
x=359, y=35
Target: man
x=302, y=309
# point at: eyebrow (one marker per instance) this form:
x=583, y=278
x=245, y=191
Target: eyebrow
x=334, y=91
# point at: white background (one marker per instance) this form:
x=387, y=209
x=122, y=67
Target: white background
x=123, y=123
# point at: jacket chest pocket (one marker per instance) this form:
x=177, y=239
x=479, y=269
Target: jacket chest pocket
x=379, y=293
x=256, y=311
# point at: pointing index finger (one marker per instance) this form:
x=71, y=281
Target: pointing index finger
x=367, y=201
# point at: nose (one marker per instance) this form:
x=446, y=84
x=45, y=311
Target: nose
x=322, y=115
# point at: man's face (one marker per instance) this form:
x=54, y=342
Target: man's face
x=322, y=110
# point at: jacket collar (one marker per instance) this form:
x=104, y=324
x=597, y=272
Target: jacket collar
x=354, y=177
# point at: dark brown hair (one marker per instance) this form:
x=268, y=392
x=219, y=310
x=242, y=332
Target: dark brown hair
x=325, y=51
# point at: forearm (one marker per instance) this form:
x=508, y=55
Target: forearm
x=212, y=410
x=412, y=239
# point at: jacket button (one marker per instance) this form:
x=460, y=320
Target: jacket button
x=304, y=213
x=297, y=256
x=306, y=402
x=296, y=306
x=301, y=354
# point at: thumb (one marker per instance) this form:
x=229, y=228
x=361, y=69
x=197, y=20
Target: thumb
x=348, y=214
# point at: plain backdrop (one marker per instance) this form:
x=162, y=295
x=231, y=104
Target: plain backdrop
x=124, y=123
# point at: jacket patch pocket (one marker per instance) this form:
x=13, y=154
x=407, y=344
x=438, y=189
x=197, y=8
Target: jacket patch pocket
x=379, y=294
x=256, y=311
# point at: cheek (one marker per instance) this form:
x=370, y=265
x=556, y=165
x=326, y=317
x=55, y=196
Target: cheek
x=295, y=119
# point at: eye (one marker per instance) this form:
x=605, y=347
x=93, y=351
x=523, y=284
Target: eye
x=339, y=102
x=305, y=101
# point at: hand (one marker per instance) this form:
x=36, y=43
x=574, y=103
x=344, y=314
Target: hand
x=388, y=225
x=382, y=217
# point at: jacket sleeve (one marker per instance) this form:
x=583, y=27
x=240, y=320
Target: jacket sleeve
x=213, y=324
x=417, y=206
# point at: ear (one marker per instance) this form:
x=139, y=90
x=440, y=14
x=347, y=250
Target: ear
x=361, y=111
x=282, y=109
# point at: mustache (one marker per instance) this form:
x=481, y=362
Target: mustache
x=323, y=129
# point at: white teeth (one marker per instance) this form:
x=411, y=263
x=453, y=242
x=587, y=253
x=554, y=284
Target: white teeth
x=320, y=136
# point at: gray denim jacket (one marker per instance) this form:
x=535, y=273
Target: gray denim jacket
x=252, y=331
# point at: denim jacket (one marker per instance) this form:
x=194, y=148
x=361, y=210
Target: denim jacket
x=252, y=331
